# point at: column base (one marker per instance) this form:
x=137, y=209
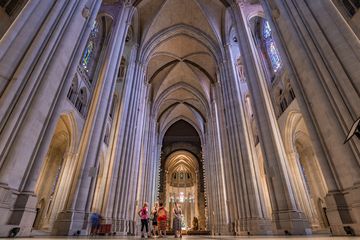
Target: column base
x=291, y=223
x=222, y=229
x=24, y=213
x=343, y=211
x=354, y=199
x=255, y=226
x=119, y=226
x=16, y=211
x=7, y=200
x=337, y=213
x=69, y=223
x=123, y=227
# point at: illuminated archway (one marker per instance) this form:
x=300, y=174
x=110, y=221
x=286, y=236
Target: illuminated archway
x=54, y=181
x=182, y=175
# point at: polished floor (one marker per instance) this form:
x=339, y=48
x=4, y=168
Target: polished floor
x=310, y=237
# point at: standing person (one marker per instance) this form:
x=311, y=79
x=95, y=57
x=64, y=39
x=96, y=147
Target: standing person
x=162, y=218
x=177, y=220
x=144, y=216
x=154, y=213
x=95, y=223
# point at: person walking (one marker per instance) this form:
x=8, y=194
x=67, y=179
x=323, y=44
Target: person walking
x=177, y=220
x=144, y=216
x=161, y=219
x=154, y=213
x=95, y=223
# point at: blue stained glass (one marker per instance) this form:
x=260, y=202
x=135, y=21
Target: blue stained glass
x=90, y=47
x=267, y=30
x=274, y=56
x=271, y=48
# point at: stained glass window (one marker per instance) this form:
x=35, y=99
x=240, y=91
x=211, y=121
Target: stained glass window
x=90, y=47
x=267, y=30
x=271, y=48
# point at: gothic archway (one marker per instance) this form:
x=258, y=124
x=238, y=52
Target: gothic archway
x=307, y=179
x=56, y=174
x=181, y=175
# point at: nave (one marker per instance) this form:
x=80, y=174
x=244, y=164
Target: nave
x=237, y=110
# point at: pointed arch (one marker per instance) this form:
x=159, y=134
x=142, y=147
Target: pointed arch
x=163, y=130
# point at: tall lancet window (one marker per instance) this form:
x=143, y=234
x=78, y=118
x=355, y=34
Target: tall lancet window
x=271, y=49
x=88, y=55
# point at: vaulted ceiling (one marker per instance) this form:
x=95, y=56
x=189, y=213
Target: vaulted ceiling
x=181, y=44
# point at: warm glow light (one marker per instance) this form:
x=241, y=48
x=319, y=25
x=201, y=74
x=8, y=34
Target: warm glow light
x=181, y=197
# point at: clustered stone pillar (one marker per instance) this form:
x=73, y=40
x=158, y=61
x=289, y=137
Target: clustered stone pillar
x=286, y=216
x=25, y=86
x=38, y=59
x=79, y=204
x=323, y=53
x=248, y=215
x=124, y=196
x=218, y=206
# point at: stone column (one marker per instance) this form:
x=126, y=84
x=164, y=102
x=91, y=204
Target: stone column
x=246, y=190
x=44, y=147
x=218, y=166
x=129, y=153
x=145, y=175
x=302, y=197
x=74, y=218
x=256, y=166
x=153, y=158
x=323, y=54
x=286, y=216
x=113, y=173
x=139, y=125
x=31, y=60
x=15, y=43
x=209, y=151
x=119, y=171
x=125, y=183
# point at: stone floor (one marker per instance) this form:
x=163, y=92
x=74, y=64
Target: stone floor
x=311, y=237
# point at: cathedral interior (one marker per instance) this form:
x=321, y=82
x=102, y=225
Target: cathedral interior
x=238, y=110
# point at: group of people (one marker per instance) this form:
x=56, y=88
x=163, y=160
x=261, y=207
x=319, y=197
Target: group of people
x=158, y=217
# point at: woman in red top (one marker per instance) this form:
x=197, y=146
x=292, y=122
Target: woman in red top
x=162, y=218
x=144, y=216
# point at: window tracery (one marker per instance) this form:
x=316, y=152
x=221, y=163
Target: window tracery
x=88, y=55
x=81, y=101
x=73, y=90
x=271, y=49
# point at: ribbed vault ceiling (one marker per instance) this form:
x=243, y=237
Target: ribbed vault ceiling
x=181, y=160
x=181, y=44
